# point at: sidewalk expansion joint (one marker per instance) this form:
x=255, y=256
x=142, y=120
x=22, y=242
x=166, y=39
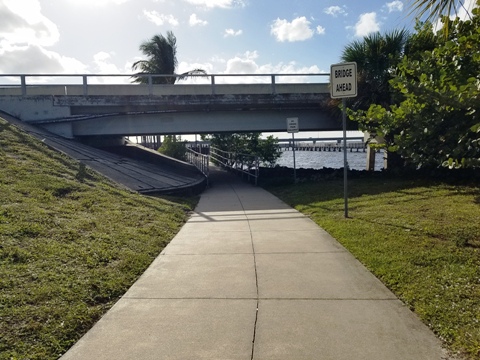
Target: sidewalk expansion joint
x=256, y=273
x=209, y=254
x=301, y=252
x=190, y=298
x=326, y=299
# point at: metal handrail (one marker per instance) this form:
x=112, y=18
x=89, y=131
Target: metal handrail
x=236, y=162
x=200, y=161
x=273, y=79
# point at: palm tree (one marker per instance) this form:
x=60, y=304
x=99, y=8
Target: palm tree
x=161, y=56
x=376, y=57
x=436, y=8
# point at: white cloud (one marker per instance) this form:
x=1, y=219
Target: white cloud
x=24, y=23
x=160, y=19
x=98, y=2
x=35, y=59
x=320, y=30
x=240, y=64
x=194, y=21
x=288, y=68
x=335, y=11
x=24, y=35
x=367, y=23
x=243, y=65
x=465, y=11
x=225, y=4
x=249, y=63
x=395, y=6
x=103, y=64
x=297, y=30
x=231, y=32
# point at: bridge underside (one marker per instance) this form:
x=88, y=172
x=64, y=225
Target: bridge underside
x=196, y=123
x=129, y=115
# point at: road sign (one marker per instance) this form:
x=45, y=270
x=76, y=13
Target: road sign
x=343, y=80
x=343, y=84
x=292, y=125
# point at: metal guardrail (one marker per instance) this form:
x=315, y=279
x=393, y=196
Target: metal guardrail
x=313, y=140
x=244, y=164
x=22, y=82
x=200, y=161
x=358, y=146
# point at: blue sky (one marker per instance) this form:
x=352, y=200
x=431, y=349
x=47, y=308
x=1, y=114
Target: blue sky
x=220, y=36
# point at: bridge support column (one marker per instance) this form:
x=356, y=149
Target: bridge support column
x=368, y=138
x=370, y=159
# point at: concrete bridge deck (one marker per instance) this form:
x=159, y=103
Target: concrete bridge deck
x=82, y=110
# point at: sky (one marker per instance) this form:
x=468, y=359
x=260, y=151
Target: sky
x=218, y=36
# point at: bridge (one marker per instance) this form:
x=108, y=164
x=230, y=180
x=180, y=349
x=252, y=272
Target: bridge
x=110, y=106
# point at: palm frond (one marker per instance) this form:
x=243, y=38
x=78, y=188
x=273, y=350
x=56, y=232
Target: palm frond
x=376, y=55
x=192, y=73
x=434, y=9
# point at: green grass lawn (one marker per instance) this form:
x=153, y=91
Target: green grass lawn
x=71, y=243
x=421, y=238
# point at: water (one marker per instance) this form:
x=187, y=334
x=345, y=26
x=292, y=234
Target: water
x=321, y=159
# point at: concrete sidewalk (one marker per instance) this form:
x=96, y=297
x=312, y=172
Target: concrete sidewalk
x=248, y=277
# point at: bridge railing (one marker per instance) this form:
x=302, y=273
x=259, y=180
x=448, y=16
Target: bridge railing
x=200, y=161
x=85, y=84
x=332, y=146
x=245, y=164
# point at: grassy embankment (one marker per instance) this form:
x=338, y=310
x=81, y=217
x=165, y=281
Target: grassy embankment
x=71, y=243
x=421, y=238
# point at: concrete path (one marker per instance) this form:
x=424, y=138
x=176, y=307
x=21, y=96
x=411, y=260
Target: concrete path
x=250, y=278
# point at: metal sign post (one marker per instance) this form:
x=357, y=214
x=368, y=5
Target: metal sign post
x=343, y=84
x=345, y=161
x=292, y=127
x=294, y=164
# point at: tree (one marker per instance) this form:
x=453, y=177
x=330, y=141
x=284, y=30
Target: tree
x=437, y=122
x=436, y=8
x=247, y=145
x=173, y=146
x=376, y=56
x=161, y=53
